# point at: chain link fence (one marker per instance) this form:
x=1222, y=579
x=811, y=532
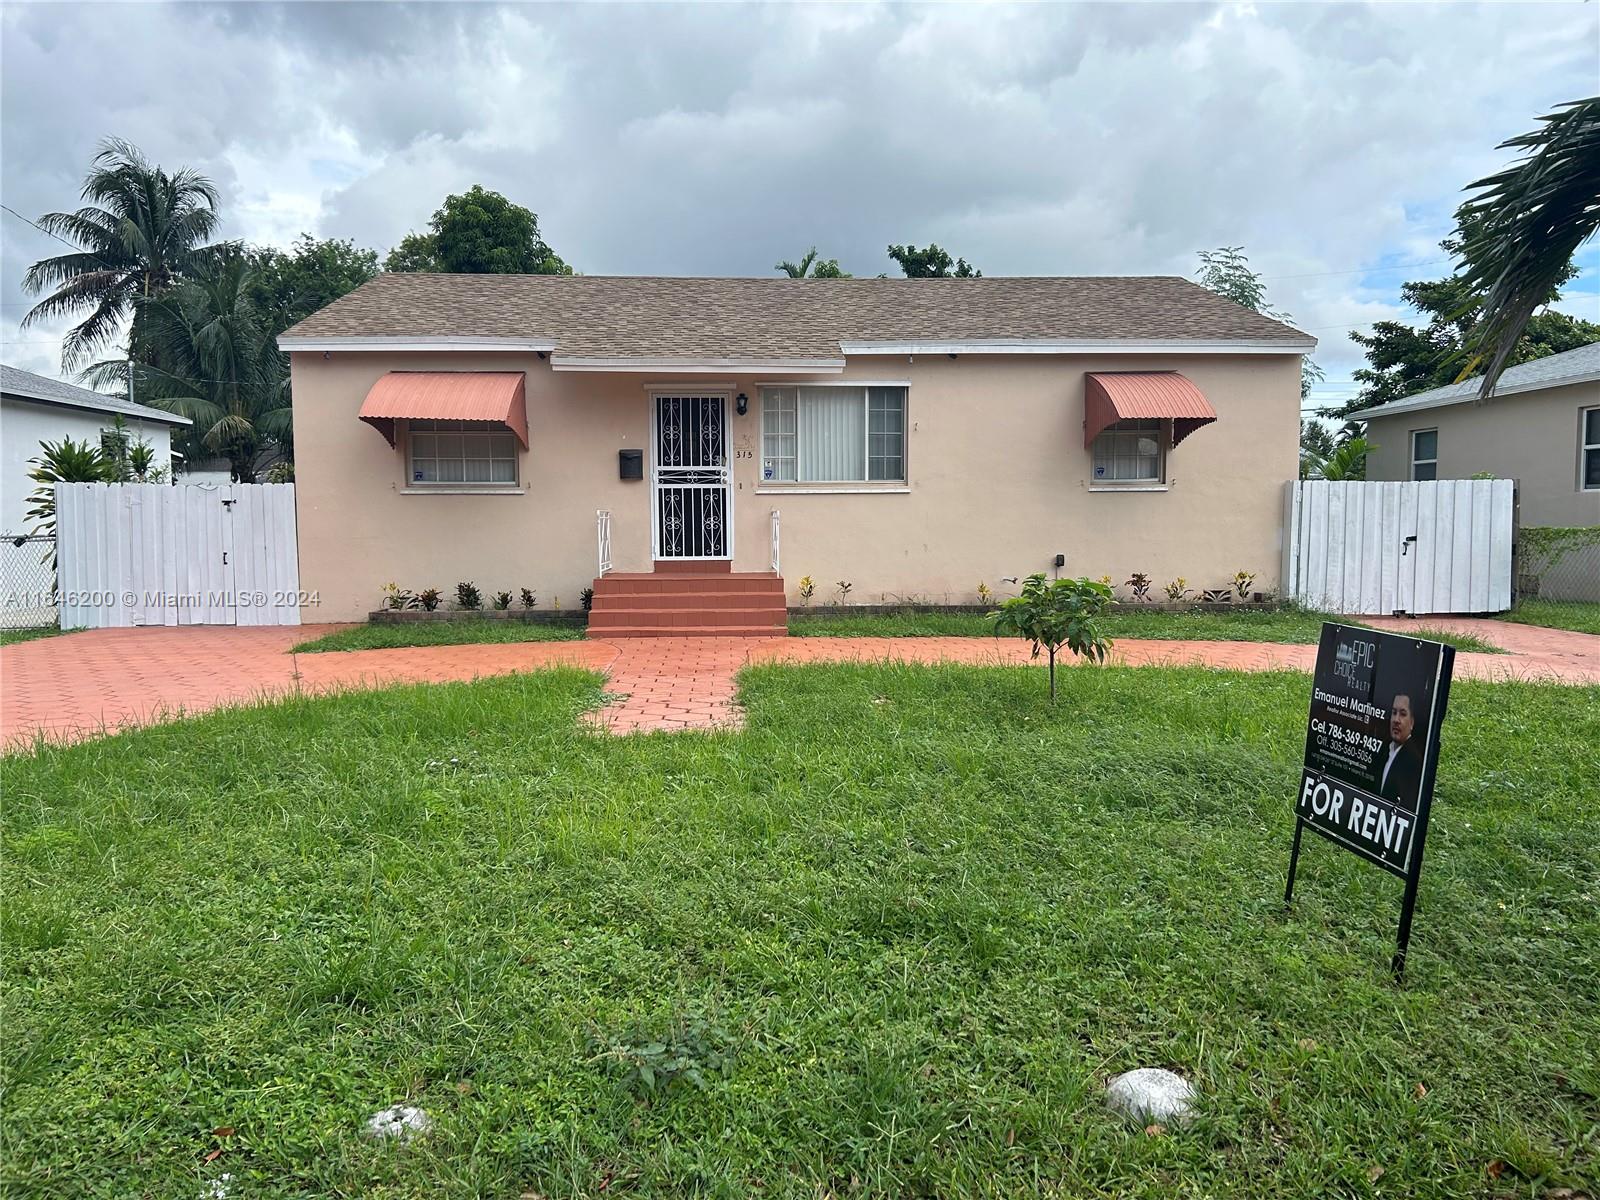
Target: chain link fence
x=1571, y=574
x=27, y=581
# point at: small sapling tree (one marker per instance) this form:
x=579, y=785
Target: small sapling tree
x=1055, y=614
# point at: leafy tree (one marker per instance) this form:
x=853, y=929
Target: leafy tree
x=65, y=461
x=1403, y=359
x=931, y=263
x=417, y=253
x=1524, y=227
x=1055, y=614
x=288, y=286
x=810, y=266
x=479, y=233
x=221, y=367
x=1316, y=446
x=141, y=230
x=1226, y=271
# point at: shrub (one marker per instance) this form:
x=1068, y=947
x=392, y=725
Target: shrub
x=1177, y=589
x=502, y=601
x=468, y=596
x=529, y=600
x=844, y=591
x=1242, y=581
x=808, y=589
x=586, y=598
x=985, y=593
x=281, y=472
x=397, y=599
x=428, y=598
x=1140, y=583
x=1052, y=615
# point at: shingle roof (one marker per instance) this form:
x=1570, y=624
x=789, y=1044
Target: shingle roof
x=27, y=386
x=591, y=316
x=1553, y=370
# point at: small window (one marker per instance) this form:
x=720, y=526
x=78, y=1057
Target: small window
x=461, y=452
x=1590, y=450
x=1424, y=454
x=1130, y=452
x=826, y=434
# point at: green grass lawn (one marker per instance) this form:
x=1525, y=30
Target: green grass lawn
x=10, y=637
x=905, y=925
x=1556, y=614
x=1126, y=621
x=441, y=633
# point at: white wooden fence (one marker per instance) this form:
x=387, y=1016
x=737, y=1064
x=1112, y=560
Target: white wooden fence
x=196, y=554
x=1420, y=548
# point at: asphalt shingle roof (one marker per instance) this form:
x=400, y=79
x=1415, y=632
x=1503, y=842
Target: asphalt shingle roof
x=27, y=386
x=593, y=316
x=1553, y=370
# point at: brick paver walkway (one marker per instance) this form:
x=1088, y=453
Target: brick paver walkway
x=83, y=684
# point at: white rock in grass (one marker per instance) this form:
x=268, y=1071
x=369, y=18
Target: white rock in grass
x=398, y=1122
x=1150, y=1094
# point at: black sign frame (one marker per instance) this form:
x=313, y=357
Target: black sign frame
x=1371, y=795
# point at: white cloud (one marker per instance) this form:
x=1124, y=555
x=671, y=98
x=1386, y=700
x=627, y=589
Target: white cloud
x=717, y=139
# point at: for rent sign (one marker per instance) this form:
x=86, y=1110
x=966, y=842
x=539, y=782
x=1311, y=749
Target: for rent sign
x=1372, y=746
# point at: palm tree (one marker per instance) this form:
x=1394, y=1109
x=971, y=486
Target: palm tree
x=219, y=364
x=1525, y=226
x=798, y=270
x=812, y=267
x=139, y=232
x=1348, y=461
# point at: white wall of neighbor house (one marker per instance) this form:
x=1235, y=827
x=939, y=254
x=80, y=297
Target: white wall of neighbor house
x=998, y=482
x=1534, y=438
x=24, y=425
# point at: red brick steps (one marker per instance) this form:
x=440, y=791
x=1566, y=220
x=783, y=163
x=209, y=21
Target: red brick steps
x=689, y=600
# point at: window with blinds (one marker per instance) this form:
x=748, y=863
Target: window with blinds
x=825, y=434
x=465, y=452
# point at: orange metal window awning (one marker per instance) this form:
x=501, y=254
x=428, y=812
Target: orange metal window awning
x=1112, y=396
x=494, y=396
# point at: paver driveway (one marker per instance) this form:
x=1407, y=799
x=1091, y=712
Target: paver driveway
x=83, y=684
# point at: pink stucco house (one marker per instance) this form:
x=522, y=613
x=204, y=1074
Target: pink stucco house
x=693, y=447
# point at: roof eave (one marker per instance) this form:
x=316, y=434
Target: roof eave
x=1083, y=346
x=416, y=342
x=138, y=412
x=1422, y=403
x=700, y=366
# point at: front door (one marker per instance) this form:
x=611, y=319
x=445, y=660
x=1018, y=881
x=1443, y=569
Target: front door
x=689, y=478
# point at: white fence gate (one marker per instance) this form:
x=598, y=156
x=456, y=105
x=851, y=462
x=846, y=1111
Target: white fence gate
x=1419, y=548
x=195, y=554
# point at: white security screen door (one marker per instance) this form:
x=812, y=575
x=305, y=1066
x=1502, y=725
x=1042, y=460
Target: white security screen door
x=690, y=476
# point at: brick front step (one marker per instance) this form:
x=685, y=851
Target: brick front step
x=684, y=603
x=682, y=581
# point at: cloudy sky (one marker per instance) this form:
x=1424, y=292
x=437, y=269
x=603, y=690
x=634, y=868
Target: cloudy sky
x=1330, y=140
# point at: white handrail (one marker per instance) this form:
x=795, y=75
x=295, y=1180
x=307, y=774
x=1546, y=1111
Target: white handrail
x=775, y=558
x=603, y=536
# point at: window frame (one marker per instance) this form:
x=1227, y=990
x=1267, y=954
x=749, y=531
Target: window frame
x=902, y=483
x=437, y=427
x=1159, y=482
x=1411, y=472
x=1586, y=447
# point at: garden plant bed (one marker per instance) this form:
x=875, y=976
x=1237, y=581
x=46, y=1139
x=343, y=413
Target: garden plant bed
x=903, y=926
x=416, y=616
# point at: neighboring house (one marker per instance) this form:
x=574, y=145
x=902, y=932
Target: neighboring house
x=1541, y=428
x=34, y=409
x=918, y=437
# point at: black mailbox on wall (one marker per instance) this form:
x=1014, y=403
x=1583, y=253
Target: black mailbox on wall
x=630, y=464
